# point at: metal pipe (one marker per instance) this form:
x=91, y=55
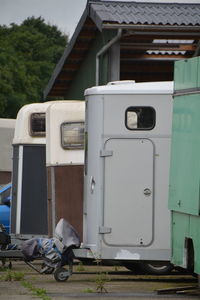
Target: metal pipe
x=103, y=50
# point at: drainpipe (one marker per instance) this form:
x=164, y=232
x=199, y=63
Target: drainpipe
x=103, y=50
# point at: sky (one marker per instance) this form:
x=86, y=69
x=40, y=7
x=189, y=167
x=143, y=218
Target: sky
x=63, y=13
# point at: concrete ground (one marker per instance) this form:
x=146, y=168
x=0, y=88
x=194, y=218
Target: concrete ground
x=116, y=282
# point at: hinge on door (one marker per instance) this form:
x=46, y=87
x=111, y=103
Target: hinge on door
x=105, y=153
x=103, y=229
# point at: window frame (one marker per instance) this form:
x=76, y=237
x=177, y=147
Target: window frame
x=38, y=133
x=140, y=107
x=79, y=146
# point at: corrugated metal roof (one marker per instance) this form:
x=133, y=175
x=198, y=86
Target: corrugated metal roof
x=145, y=13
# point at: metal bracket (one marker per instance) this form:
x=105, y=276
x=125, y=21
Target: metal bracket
x=105, y=153
x=103, y=229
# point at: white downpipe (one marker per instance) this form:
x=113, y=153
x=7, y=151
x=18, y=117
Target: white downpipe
x=103, y=50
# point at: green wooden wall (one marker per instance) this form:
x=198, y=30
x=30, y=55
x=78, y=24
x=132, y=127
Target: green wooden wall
x=86, y=76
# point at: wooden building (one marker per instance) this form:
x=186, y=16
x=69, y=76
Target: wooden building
x=117, y=40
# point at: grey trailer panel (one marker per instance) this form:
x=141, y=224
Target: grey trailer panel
x=128, y=192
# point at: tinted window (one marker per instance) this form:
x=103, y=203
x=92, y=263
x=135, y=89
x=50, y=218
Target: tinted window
x=37, y=124
x=140, y=118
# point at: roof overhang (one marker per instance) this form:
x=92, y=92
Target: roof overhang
x=145, y=43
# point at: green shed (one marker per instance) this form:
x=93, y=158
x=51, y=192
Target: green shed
x=126, y=40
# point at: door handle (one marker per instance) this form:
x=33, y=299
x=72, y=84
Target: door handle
x=92, y=184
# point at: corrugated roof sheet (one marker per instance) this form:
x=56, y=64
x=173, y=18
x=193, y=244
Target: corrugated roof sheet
x=145, y=13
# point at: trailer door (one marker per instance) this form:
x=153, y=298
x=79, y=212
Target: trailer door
x=128, y=198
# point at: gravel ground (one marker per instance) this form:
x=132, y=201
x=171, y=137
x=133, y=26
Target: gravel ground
x=117, y=283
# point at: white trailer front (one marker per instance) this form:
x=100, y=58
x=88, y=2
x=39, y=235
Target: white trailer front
x=29, y=181
x=128, y=131
x=64, y=161
x=7, y=128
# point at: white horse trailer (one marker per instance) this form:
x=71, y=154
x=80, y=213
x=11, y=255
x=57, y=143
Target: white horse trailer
x=65, y=160
x=29, y=190
x=128, y=131
x=7, y=128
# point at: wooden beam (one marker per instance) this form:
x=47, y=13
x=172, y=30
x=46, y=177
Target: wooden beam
x=146, y=67
x=63, y=76
x=144, y=77
x=141, y=56
x=87, y=34
x=70, y=67
x=132, y=37
x=76, y=56
x=159, y=46
x=82, y=45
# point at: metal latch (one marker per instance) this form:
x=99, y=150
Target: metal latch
x=103, y=229
x=147, y=192
x=105, y=153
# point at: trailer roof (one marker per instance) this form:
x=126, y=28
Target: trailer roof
x=131, y=87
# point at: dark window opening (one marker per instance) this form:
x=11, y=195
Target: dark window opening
x=37, y=124
x=140, y=118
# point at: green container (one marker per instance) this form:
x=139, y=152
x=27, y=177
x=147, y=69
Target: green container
x=185, y=155
x=184, y=190
x=186, y=74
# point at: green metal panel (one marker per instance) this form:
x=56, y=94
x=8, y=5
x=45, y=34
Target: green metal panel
x=180, y=230
x=185, y=155
x=195, y=236
x=185, y=226
x=185, y=74
x=184, y=191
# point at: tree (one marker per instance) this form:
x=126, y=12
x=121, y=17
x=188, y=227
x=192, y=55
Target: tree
x=28, y=55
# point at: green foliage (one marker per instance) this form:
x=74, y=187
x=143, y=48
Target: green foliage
x=28, y=55
x=40, y=293
x=80, y=267
x=88, y=290
x=12, y=276
x=101, y=280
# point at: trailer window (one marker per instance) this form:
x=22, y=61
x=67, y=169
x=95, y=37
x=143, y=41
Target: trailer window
x=72, y=135
x=37, y=124
x=140, y=118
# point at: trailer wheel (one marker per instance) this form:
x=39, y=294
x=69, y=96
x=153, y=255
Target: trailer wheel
x=133, y=267
x=156, y=268
x=61, y=274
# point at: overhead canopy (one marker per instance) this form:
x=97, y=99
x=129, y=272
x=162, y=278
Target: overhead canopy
x=154, y=35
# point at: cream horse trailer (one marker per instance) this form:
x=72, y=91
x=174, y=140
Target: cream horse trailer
x=29, y=191
x=64, y=161
x=7, y=128
x=128, y=132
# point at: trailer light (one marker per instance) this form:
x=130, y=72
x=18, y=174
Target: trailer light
x=72, y=135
